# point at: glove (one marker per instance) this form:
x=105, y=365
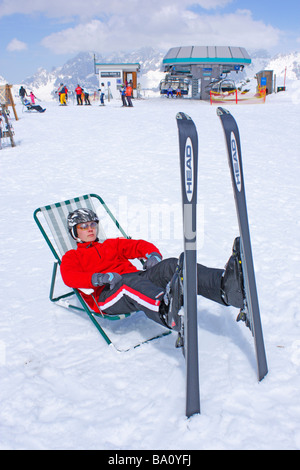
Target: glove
x=152, y=260
x=99, y=279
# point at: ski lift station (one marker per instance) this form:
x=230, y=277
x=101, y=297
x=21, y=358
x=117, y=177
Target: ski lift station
x=114, y=75
x=196, y=69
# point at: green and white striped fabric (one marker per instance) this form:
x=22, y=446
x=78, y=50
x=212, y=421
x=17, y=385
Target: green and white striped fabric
x=56, y=218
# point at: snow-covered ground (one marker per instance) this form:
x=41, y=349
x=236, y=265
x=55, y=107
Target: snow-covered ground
x=62, y=387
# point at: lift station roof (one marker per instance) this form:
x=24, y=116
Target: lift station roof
x=202, y=55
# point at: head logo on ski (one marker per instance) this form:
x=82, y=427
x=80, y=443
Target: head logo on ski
x=251, y=312
x=235, y=162
x=188, y=156
x=189, y=165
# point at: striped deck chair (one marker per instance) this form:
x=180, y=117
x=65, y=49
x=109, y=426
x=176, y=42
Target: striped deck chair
x=51, y=220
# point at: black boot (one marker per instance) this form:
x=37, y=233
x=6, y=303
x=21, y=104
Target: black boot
x=173, y=298
x=232, y=285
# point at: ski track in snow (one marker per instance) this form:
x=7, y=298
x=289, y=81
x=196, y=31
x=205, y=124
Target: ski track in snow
x=62, y=387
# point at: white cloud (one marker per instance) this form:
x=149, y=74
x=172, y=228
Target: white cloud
x=92, y=8
x=16, y=45
x=165, y=26
x=105, y=26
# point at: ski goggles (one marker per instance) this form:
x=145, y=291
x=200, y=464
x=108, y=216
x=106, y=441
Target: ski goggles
x=87, y=225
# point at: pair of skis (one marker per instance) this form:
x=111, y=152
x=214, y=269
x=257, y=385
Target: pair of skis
x=188, y=152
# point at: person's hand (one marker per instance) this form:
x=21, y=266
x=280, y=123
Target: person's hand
x=111, y=279
x=152, y=260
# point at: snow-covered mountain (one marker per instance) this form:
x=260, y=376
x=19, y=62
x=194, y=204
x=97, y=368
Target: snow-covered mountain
x=289, y=61
x=261, y=60
x=80, y=69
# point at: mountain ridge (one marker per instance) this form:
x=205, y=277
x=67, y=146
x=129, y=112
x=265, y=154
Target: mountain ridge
x=80, y=69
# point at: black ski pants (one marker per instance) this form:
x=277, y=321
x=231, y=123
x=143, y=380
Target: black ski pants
x=144, y=290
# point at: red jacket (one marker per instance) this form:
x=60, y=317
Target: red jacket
x=113, y=255
x=78, y=90
x=128, y=91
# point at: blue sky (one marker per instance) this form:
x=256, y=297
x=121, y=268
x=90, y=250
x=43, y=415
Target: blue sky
x=46, y=33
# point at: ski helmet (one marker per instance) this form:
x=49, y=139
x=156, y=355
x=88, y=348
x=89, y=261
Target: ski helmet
x=80, y=216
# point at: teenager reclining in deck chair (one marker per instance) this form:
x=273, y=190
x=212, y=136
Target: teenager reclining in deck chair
x=119, y=287
x=31, y=106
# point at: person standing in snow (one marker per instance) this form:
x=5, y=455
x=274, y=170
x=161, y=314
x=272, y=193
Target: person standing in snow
x=128, y=94
x=78, y=91
x=122, y=91
x=59, y=92
x=119, y=287
x=63, y=95
x=86, y=96
x=102, y=94
x=22, y=93
x=32, y=97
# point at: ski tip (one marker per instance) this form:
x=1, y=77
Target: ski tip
x=222, y=111
x=183, y=116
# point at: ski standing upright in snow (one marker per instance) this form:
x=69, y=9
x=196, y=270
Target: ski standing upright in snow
x=188, y=154
x=250, y=313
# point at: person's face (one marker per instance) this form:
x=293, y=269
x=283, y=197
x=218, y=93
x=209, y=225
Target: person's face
x=87, y=232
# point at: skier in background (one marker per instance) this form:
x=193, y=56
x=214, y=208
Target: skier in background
x=123, y=91
x=22, y=93
x=128, y=94
x=32, y=97
x=78, y=91
x=59, y=92
x=86, y=96
x=102, y=94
